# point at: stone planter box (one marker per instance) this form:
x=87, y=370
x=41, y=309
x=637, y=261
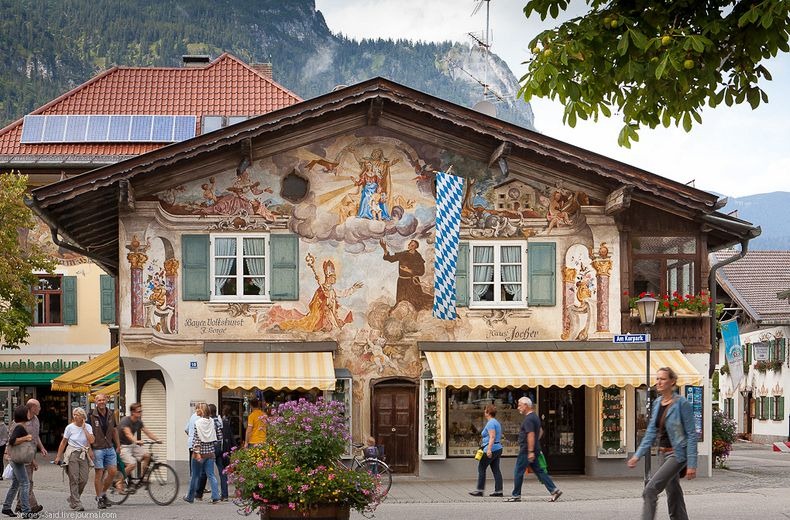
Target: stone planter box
x=326, y=512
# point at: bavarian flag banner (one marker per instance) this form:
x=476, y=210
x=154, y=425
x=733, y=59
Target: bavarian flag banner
x=733, y=352
x=449, y=195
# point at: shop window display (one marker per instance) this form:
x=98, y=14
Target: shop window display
x=465, y=418
x=611, y=405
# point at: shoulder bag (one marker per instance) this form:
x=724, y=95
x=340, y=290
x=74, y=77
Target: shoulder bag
x=23, y=453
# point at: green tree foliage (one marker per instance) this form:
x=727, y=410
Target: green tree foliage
x=654, y=62
x=18, y=261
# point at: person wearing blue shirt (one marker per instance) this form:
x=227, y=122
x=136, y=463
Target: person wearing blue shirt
x=491, y=444
x=672, y=422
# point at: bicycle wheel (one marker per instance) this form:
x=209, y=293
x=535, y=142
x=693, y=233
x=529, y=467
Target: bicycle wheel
x=380, y=471
x=162, y=484
x=116, y=498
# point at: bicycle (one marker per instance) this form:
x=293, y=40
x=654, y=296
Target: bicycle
x=160, y=479
x=367, y=459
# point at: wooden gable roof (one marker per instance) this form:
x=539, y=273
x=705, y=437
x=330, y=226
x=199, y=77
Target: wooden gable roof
x=85, y=208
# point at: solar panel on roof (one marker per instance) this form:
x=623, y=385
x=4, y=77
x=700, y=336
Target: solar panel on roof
x=184, y=128
x=141, y=128
x=232, y=120
x=163, y=128
x=32, y=129
x=119, y=128
x=102, y=128
x=97, y=128
x=76, y=128
x=54, y=129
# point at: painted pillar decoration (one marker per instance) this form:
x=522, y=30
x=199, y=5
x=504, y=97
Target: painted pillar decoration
x=603, y=271
x=171, y=275
x=137, y=259
x=568, y=285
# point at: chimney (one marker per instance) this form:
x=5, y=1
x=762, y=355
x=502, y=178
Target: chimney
x=264, y=69
x=195, y=60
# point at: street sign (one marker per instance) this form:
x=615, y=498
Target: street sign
x=631, y=338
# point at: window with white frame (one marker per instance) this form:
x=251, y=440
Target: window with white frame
x=239, y=267
x=498, y=274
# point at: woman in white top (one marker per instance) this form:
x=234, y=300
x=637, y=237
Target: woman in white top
x=76, y=443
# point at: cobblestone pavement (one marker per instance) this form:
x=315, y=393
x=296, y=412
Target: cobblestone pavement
x=756, y=480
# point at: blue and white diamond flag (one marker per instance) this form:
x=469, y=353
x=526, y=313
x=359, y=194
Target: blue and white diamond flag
x=449, y=195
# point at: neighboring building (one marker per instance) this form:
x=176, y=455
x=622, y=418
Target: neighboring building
x=120, y=113
x=757, y=402
x=293, y=255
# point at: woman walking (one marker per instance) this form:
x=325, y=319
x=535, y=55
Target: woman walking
x=75, y=451
x=672, y=421
x=491, y=444
x=203, y=454
x=22, y=441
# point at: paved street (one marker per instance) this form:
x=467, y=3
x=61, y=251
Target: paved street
x=755, y=485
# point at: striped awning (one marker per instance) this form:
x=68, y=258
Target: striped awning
x=101, y=370
x=563, y=368
x=273, y=370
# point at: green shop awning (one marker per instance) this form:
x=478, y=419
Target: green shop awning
x=27, y=378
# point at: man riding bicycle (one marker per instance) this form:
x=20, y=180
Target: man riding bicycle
x=132, y=450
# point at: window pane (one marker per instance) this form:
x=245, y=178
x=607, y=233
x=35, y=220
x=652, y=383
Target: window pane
x=647, y=276
x=225, y=247
x=54, y=308
x=680, y=276
x=254, y=286
x=483, y=292
x=664, y=245
x=38, y=312
x=511, y=254
x=225, y=286
x=48, y=283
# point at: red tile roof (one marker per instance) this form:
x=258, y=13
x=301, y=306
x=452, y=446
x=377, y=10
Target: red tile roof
x=753, y=282
x=226, y=86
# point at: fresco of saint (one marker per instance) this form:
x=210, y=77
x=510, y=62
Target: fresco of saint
x=374, y=184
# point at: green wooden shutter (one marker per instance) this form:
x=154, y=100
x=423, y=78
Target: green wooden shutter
x=195, y=267
x=107, y=298
x=782, y=350
x=462, y=276
x=542, y=267
x=780, y=408
x=284, y=283
x=69, y=300
x=771, y=411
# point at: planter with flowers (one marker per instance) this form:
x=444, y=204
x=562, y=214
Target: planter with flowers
x=677, y=304
x=298, y=473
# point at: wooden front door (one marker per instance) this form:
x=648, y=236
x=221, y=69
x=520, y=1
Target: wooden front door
x=395, y=424
x=561, y=412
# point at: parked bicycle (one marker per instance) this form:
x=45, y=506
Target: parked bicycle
x=160, y=479
x=366, y=458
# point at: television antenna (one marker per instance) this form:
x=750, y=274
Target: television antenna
x=484, y=43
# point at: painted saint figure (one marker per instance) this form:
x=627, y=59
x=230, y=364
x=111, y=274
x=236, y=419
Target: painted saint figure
x=324, y=312
x=374, y=184
x=411, y=266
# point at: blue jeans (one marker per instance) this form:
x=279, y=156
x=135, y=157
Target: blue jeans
x=202, y=467
x=219, y=461
x=483, y=464
x=21, y=483
x=522, y=462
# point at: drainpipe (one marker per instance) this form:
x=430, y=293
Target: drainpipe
x=714, y=344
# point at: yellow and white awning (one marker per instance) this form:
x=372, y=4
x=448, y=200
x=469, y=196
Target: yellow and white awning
x=99, y=371
x=563, y=368
x=273, y=370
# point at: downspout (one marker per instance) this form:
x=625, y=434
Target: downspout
x=714, y=344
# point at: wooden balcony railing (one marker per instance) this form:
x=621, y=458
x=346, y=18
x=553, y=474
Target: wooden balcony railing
x=692, y=331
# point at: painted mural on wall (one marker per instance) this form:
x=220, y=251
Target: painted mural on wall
x=41, y=236
x=366, y=230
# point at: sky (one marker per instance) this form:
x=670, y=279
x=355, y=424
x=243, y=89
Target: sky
x=736, y=151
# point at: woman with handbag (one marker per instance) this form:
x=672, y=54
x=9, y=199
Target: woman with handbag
x=75, y=451
x=491, y=446
x=21, y=450
x=672, y=421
